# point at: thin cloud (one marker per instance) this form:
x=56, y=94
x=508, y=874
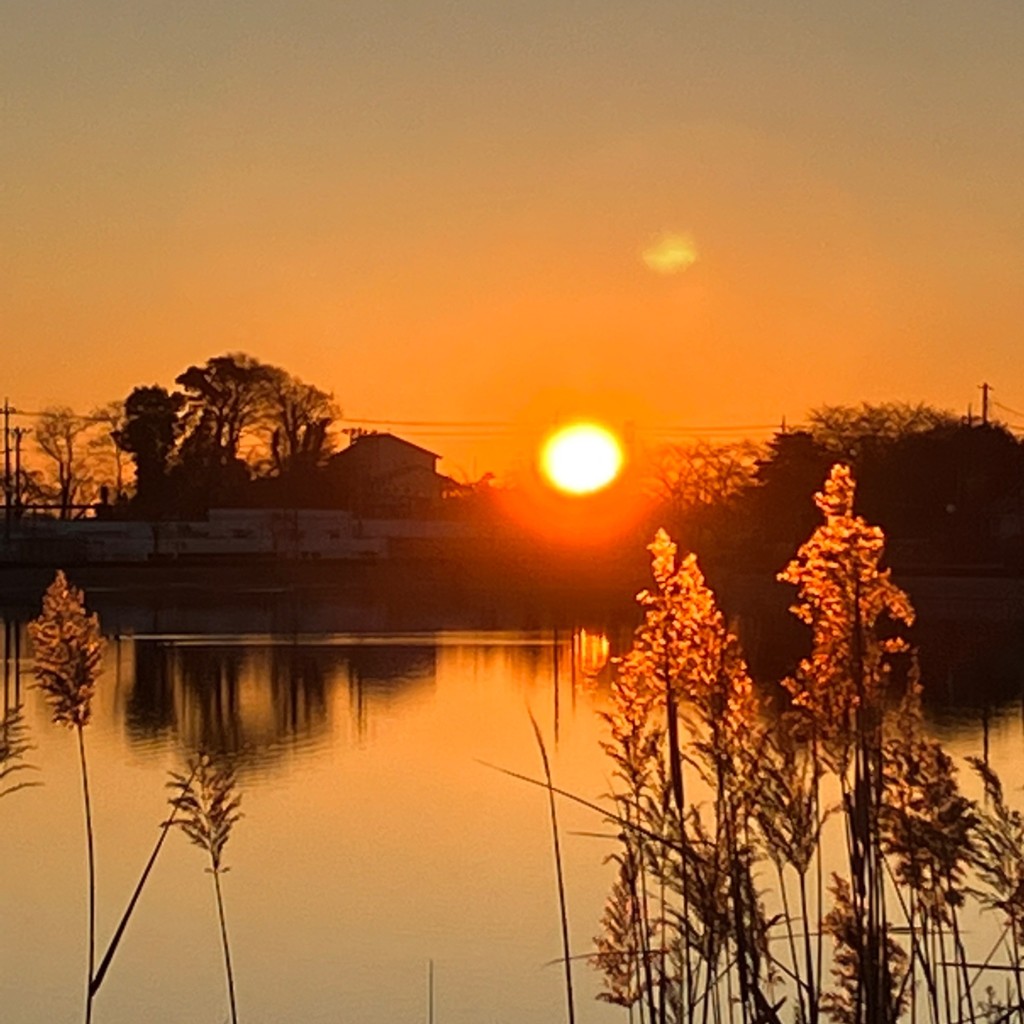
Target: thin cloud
x=670, y=253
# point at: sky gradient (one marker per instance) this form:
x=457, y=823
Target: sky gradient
x=441, y=210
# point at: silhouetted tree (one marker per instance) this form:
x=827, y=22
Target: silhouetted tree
x=940, y=489
x=150, y=432
x=30, y=490
x=699, y=485
x=704, y=473
x=205, y=476
x=787, y=479
x=933, y=483
x=850, y=431
x=108, y=455
x=60, y=436
x=298, y=418
x=223, y=397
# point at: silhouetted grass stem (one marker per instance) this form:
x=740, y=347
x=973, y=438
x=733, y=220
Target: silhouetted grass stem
x=227, y=948
x=108, y=956
x=563, y=910
x=91, y=863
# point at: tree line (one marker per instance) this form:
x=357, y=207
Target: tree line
x=946, y=490
x=229, y=423
x=238, y=431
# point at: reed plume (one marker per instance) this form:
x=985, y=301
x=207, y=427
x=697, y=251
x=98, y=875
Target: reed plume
x=68, y=649
x=621, y=953
x=999, y=852
x=14, y=745
x=624, y=946
x=845, y=1003
x=927, y=824
x=205, y=806
x=683, y=701
x=842, y=690
x=999, y=862
x=844, y=595
x=790, y=819
x=927, y=829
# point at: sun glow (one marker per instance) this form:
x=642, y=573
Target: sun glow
x=581, y=458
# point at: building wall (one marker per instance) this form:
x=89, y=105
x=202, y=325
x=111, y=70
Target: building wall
x=266, y=533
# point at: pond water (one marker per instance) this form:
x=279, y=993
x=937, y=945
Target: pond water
x=381, y=855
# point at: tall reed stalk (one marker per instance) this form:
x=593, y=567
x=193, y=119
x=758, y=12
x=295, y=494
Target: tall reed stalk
x=68, y=649
x=559, y=874
x=91, y=860
x=115, y=941
x=205, y=805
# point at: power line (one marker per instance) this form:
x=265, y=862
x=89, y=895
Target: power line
x=476, y=428
x=74, y=415
x=694, y=431
x=1006, y=408
x=425, y=423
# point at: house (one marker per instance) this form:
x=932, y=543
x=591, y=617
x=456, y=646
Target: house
x=384, y=476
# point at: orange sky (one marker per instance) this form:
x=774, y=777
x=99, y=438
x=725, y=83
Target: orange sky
x=439, y=211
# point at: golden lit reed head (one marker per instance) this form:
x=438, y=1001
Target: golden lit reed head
x=205, y=803
x=67, y=648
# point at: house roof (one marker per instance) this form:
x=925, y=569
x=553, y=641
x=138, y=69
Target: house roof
x=366, y=440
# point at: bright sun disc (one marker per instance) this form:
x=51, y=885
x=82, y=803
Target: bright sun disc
x=581, y=458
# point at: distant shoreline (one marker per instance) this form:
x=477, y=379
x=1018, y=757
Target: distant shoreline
x=573, y=585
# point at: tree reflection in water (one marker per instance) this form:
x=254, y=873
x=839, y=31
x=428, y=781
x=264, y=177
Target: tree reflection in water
x=255, y=699
x=377, y=674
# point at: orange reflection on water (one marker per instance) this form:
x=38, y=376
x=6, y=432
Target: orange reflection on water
x=591, y=652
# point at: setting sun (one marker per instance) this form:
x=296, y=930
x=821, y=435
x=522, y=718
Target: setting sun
x=581, y=458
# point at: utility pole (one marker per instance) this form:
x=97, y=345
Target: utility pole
x=19, y=433
x=985, y=389
x=7, y=470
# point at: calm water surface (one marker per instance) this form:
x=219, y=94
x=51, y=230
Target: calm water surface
x=375, y=841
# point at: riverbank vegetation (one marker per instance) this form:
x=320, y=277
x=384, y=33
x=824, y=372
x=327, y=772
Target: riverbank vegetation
x=67, y=650
x=806, y=854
